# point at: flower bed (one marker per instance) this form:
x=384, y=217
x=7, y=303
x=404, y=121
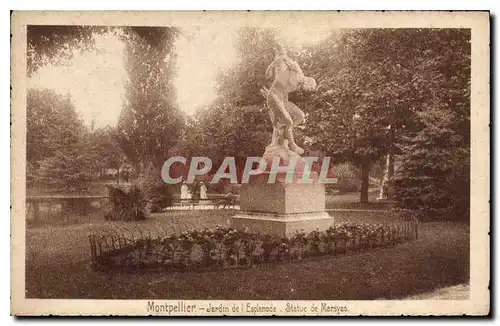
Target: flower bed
x=225, y=247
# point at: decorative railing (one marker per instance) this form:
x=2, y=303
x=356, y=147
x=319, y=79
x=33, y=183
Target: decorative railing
x=172, y=248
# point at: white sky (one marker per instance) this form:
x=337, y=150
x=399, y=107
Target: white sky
x=95, y=79
x=200, y=56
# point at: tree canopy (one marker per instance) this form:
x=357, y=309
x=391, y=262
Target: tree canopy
x=380, y=91
x=47, y=43
x=56, y=151
x=151, y=122
x=52, y=125
x=370, y=79
x=237, y=122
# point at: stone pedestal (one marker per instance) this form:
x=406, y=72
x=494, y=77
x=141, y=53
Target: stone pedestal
x=282, y=208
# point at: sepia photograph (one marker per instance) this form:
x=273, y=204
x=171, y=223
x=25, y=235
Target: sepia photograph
x=250, y=163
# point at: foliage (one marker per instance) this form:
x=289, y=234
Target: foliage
x=150, y=123
x=52, y=125
x=56, y=150
x=237, y=122
x=348, y=180
x=241, y=84
x=103, y=147
x=66, y=171
x=369, y=79
x=345, y=119
x=46, y=43
x=126, y=204
x=415, y=80
x=228, y=130
x=434, y=179
x=56, y=136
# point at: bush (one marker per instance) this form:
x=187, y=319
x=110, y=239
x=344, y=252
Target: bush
x=126, y=204
x=347, y=180
x=66, y=172
x=433, y=180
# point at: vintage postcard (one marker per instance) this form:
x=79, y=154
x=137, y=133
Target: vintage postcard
x=250, y=163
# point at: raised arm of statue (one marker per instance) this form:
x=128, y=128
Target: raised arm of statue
x=269, y=70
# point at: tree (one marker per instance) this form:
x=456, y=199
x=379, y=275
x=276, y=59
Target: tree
x=226, y=129
x=434, y=181
x=373, y=79
x=434, y=177
x=67, y=171
x=240, y=85
x=52, y=125
x=104, y=149
x=45, y=43
x=346, y=116
x=237, y=122
x=150, y=123
x=57, y=147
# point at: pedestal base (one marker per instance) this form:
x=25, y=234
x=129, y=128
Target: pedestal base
x=282, y=225
x=282, y=208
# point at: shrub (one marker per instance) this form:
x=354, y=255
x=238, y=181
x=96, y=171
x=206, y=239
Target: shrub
x=433, y=180
x=347, y=180
x=125, y=204
x=66, y=171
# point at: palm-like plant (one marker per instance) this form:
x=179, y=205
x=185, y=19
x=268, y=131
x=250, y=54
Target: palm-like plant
x=126, y=205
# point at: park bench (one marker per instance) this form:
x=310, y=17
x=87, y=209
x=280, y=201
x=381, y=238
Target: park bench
x=214, y=201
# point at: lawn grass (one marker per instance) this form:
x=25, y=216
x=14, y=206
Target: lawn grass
x=57, y=266
x=351, y=201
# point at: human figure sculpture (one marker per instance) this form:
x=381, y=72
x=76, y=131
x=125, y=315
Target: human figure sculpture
x=203, y=191
x=185, y=191
x=287, y=77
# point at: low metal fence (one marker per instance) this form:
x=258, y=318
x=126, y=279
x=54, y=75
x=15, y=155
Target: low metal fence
x=172, y=247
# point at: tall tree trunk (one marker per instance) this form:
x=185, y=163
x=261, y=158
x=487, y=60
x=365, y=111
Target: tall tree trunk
x=137, y=167
x=390, y=163
x=365, y=182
